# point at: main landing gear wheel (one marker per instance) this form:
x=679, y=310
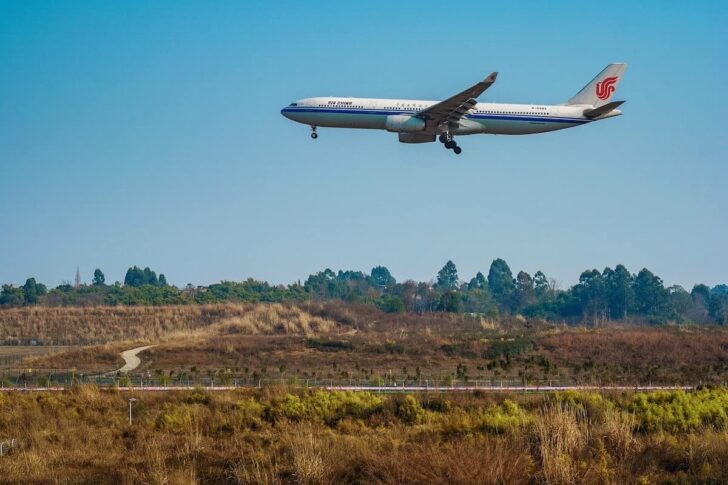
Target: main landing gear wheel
x=314, y=135
x=447, y=140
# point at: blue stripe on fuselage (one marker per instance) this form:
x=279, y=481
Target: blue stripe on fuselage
x=476, y=116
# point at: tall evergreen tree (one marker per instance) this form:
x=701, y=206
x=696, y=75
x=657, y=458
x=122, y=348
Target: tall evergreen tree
x=99, y=278
x=500, y=282
x=447, y=277
x=525, y=290
x=381, y=277
x=541, y=285
x=620, y=293
x=32, y=291
x=591, y=295
x=478, y=282
x=650, y=294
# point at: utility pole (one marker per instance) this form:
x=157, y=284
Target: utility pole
x=131, y=401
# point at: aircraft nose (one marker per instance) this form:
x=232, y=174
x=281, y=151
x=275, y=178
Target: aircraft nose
x=286, y=112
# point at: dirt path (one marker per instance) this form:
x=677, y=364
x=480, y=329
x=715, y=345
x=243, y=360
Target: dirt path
x=131, y=359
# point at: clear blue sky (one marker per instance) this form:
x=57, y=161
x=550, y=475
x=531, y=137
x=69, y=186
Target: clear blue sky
x=149, y=133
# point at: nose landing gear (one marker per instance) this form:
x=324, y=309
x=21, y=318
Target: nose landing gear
x=314, y=135
x=447, y=140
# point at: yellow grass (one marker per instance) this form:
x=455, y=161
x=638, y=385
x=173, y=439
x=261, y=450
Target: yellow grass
x=72, y=326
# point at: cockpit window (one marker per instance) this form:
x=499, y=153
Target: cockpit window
x=293, y=104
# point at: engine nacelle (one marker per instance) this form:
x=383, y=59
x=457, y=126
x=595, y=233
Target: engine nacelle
x=404, y=124
x=416, y=138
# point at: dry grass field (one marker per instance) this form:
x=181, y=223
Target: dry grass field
x=16, y=353
x=279, y=435
x=344, y=342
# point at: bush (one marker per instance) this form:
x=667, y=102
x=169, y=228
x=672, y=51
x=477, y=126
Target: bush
x=503, y=417
x=680, y=411
x=198, y=396
x=328, y=345
x=248, y=412
x=176, y=418
x=408, y=410
x=592, y=404
x=512, y=347
x=437, y=404
x=325, y=407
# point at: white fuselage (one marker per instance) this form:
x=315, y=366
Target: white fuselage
x=492, y=118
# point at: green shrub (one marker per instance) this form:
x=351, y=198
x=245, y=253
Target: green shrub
x=290, y=407
x=198, y=396
x=512, y=347
x=326, y=407
x=680, y=411
x=409, y=411
x=328, y=345
x=176, y=418
x=248, y=412
x=438, y=404
x=593, y=404
x=503, y=417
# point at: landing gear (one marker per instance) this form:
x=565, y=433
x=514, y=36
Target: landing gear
x=314, y=135
x=447, y=140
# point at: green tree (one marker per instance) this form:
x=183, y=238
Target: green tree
x=162, y=280
x=447, y=277
x=650, y=295
x=391, y=304
x=620, y=292
x=479, y=300
x=478, y=282
x=450, y=301
x=679, y=302
x=525, y=290
x=718, y=304
x=591, y=295
x=136, y=276
x=10, y=295
x=382, y=278
x=699, y=311
x=32, y=291
x=500, y=283
x=541, y=285
x=99, y=278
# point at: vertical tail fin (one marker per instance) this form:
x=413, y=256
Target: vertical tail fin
x=600, y=89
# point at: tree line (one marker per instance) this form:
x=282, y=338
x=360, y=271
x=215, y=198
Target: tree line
x=614, y=294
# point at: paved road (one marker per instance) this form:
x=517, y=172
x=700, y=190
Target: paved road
x=131, y=359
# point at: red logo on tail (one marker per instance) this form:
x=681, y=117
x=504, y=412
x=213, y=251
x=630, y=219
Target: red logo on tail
x=606, y=88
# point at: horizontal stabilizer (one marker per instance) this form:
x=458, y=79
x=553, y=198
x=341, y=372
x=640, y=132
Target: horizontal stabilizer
x=593, y=113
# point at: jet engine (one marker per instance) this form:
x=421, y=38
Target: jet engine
x=404, y=124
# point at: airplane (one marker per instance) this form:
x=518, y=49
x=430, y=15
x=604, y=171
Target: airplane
x=419, y=121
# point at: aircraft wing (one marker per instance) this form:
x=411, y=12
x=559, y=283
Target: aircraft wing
x=455, y=107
